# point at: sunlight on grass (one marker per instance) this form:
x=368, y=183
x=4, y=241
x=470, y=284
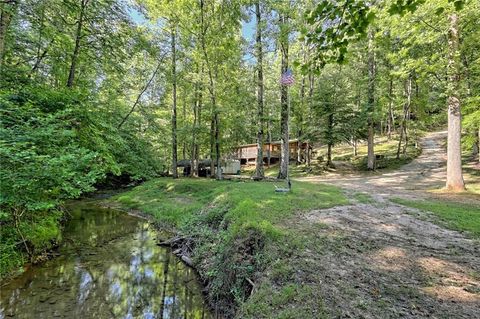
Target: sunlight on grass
x=246, y=204
x=458, y=216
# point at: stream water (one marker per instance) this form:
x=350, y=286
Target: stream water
x=109, y=266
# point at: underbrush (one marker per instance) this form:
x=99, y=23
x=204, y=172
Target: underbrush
x=234, y=228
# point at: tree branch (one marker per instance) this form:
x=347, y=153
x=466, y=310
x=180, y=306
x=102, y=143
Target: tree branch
x=143, y=91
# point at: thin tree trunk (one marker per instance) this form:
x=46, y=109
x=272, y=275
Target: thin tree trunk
x=301, y=113
x=478, y=144
x=215, y=132
x=196, y=126
x=371, y=102
x=311, y=84
x=330, y=134
x=78, y=38
x=455, y=180
x=184, y=119
x=285, y=151
x=391, y=119
x=174, y=104
x=194, y=134
x=259, y=171
x=212, y=146
x=403, y=124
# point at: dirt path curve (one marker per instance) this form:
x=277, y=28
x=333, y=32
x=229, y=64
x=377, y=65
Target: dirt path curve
x=425, y=172
x=392, y=261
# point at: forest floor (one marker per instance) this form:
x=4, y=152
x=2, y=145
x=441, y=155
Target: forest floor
x=397, y=261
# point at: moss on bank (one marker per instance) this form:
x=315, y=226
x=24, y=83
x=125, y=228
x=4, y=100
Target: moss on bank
x=238, y=233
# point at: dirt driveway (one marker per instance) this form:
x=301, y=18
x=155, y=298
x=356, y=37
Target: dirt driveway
x=393, y=262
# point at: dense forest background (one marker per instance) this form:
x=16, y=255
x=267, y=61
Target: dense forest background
x=97, y=91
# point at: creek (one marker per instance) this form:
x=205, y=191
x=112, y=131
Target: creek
x=108, y=266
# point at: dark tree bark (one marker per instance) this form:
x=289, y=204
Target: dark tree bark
x=455, y=180
x=78, y=38
x=259, y=171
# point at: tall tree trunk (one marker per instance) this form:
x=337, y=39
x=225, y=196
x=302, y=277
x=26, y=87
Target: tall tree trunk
x=478, y=144
x=329, y=154
x=194, y=134
x=371, y=102
x=403, y=124
x=301, y=112
x=284, y=129
x=390, y=117
x=454, y=151
x=259, y=172
x=78, y=38
x=311, y=84
x=184, y=119
x=6, y=13
x=269, y=135
x=215, y=130
x=330, y=137
x=212, y=146
x=197, y=111
x=174, y=104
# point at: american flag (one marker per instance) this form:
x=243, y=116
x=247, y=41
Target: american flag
x=287, y=78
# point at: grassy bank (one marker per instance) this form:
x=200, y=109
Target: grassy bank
x=27, y=239
x=458, y=216
x=240, y=233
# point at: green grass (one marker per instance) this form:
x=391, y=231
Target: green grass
x=457, y=216
x=363, y=198
x=239, y=232
x=41, y=230
x=242, y=204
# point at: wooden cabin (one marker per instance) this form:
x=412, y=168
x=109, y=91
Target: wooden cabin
x=247, y=154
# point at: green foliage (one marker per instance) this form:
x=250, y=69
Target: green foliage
x=336, y=24
x=54, y=148
x=42, y=161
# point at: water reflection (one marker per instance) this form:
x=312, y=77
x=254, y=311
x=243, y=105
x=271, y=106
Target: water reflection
x=110, y=267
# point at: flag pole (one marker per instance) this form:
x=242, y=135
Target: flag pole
x=288, y=138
